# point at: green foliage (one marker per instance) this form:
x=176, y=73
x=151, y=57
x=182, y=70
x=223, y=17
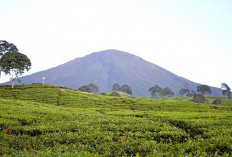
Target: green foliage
x=85, y=89
x=217, y=102
x=191, y=94
x=158, y=91
x=31, y=124
x=6, y=47
x=90, y=88
x=121, y=94
x=198, y=98
x=93, y=88
x=203, y=89
x=116, y=87
x=167, y=92
x=125, y=88
x=14, y=64
x=115, y=94
x=226, y=90
x=184, y=92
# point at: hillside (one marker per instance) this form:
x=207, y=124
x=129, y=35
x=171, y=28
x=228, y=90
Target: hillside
x=112, y=66
x=47, y=120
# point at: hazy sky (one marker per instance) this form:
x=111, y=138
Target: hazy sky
x=191, y=38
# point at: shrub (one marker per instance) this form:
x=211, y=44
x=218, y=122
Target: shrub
x=103, y=94
x=198, y=98
x=217, y=102
x=115, y=94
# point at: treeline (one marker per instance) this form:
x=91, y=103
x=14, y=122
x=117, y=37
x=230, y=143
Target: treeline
x=204, y=89
x=157, y=91
x=92, y=88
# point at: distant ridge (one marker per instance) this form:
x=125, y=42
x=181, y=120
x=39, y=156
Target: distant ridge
x=111, y=66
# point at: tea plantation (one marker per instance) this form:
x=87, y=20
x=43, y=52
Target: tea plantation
x=46, y=120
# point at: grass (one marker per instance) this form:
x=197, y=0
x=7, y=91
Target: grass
x=46, y=120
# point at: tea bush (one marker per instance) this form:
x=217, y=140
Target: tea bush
x=32, y=123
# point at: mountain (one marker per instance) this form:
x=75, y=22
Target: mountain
x=107, y=67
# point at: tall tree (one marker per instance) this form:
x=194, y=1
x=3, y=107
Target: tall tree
x=14, y=64
x=126, y=89
x=184, y=92
x=85, y=89
x=226, y=90
x=167, y=92
x=90, y=88
x=6, y=47
x=203, y=89
x=116, y=87
x=156, y=90
x=93, y=88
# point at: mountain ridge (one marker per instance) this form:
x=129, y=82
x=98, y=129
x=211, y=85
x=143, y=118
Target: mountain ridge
x=111, y=66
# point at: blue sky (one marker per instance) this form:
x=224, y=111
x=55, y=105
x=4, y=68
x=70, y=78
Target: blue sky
x=189, y=38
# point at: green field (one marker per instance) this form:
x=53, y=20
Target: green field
x=46, y=120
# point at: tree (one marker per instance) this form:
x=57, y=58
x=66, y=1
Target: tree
x=90, y=88
x=93, y=88
x=14, y=64
x=116, y=87
x=184, y=92
x=226, y=90
x=85, y=89
x=126, y=89
x=167, y=92
x=155, y=90
x=6, y=47
x=203, y=89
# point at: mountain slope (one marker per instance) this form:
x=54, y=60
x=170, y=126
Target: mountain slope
x=112, y=66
